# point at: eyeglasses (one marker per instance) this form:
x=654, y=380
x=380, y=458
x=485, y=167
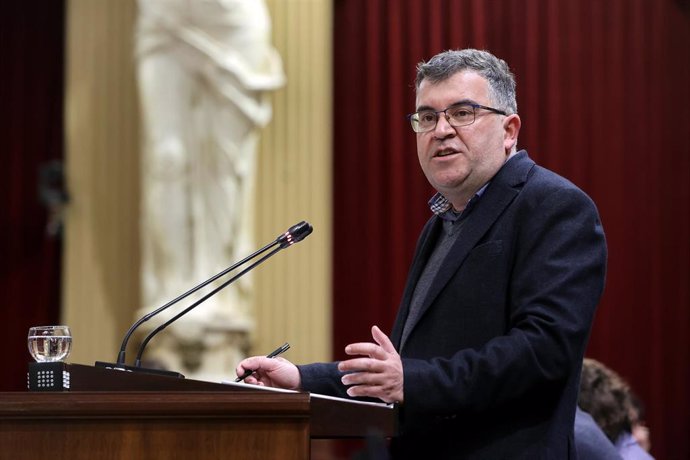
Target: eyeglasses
x=457, y=115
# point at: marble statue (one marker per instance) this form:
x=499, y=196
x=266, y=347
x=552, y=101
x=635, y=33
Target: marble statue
x=205, y=71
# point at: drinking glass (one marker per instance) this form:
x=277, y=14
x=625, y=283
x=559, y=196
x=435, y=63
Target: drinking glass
x=49, y=343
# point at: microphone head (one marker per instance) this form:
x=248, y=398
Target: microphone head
x=295, y=234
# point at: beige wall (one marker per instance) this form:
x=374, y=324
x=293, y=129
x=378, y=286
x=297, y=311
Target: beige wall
x=294, y=183
x=100, y=282
x=101, y=276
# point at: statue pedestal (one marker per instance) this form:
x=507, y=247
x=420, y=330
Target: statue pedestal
x=200, y=350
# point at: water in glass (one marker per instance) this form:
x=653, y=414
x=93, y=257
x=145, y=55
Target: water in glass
x=49, y=343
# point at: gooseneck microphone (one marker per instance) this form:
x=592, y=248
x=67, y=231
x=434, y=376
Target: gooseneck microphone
x=137, y=362
x=293, y=235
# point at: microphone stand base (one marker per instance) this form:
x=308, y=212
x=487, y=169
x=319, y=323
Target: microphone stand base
x=143, y=370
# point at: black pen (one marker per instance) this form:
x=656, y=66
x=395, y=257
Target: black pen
x=281, y=349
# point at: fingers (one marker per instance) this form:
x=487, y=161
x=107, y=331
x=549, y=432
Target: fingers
x=366, y=349
x=368, y=391
x=378, y=350
x=248, y=364
x=382, y=339
x=377, y=372
x=251, y=380
x=272, y=372
x=363, y=383
x=360, y=365
x=386, y=393
x=259, y=365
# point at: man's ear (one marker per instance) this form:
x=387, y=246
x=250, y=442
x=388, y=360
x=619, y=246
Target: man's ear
x=511, y=128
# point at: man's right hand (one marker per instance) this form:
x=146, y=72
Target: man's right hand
x=271, y=372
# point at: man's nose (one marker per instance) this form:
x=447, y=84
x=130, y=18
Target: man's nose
x=443, y=128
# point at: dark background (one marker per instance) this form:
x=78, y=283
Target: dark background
x=604, y=96
x=31, y=135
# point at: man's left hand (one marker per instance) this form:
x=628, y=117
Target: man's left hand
x=379, y=374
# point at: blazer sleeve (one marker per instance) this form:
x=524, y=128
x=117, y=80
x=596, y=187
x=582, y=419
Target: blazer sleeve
x=322, y=378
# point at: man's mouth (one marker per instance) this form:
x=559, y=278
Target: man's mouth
x=445, y=152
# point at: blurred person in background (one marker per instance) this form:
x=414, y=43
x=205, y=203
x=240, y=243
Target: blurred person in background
x=608, y=398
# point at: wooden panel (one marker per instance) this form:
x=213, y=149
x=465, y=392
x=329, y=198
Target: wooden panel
x=152, y=439
x=125, y=425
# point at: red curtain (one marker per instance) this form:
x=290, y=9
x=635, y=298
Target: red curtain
x=604, y=97
x=31, y=90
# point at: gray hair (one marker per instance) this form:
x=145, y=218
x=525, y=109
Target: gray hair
x=496, y=71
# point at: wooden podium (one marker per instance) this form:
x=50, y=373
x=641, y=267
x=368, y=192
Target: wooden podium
x=112, y=414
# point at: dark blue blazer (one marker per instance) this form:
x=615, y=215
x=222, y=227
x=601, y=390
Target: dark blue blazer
x=491, y=367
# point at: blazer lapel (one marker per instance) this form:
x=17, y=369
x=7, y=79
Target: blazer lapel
x=499, y=194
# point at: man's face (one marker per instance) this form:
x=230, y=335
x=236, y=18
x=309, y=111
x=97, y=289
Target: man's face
x=457, y=161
